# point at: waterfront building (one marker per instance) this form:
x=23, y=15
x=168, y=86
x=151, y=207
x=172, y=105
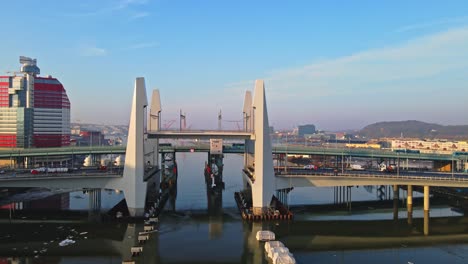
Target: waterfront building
x=34, y=111
x=430, y=146
x=91, y=138
x=306, y=130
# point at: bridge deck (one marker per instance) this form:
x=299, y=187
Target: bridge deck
x=204, y=147
x=328, y=179
x=201, y=134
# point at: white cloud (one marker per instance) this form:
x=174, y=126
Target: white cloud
x=419, y=58
x=374, y=85
x=139, y=15
x=126, y=3
x=92, y=51
x=143, y=45
x=108, y=9
x=419, y=26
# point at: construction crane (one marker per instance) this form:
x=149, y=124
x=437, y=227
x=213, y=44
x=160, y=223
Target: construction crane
x=167, y=124
x=237, y=123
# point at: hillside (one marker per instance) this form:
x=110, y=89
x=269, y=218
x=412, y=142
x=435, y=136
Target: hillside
x=414, y=129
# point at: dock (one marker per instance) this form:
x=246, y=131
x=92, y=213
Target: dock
x=276, y=212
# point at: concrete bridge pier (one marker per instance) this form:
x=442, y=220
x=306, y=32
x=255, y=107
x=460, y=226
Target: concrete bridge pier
x=396, y=196
x=409, y=204
x=215, y=168
x=426, y=210
x=132, y=182
x=282, y=195
x=348, y=197
x=169, y=175
x=264, y=185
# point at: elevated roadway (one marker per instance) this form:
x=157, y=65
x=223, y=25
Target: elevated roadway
x=91, y=180
x=204, y=147
x=200, y=134
x=297, y=178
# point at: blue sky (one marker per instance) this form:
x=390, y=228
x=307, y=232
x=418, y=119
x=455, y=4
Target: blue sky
x=335, y=64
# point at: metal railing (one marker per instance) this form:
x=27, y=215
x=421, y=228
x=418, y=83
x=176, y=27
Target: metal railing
x=455, y=178
x=81, y=174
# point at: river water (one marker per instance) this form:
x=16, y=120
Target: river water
x=203, y=229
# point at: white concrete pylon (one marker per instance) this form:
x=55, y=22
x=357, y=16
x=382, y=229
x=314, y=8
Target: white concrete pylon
x=249, y=144
x=247, y=112
x=155, y=112
x=264, y=184
x=132, y=182
x=152, y=144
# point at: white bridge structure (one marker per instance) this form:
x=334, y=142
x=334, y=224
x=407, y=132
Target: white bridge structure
x=258, y=173
x=142, y=150
x=256, y=133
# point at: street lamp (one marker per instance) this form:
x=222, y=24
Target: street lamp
x=452, y=164
x=398, y=165
x=286, y=156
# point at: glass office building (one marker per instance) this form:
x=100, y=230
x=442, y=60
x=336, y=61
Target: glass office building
x=34, y=111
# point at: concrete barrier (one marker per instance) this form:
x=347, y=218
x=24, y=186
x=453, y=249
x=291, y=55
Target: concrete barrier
x=136, y=251
x=143, y=238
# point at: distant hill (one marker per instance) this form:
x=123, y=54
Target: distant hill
x=414, y=129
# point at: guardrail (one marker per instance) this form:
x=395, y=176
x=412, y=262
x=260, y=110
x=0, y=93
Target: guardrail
x=455, y=178
x=26, y=176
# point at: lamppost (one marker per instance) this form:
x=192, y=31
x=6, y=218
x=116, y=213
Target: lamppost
x=342, y=164
x=286, y=156
x=452, y=165
x=398, y=165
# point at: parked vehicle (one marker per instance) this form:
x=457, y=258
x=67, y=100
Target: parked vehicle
x=310, y=167
x=387, y=168
x=356, y=167
x=48, y=170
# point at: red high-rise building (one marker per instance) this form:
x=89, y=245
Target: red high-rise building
x=34, y=111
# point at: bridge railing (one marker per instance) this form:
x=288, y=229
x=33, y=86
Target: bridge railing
x=454, y=178
x=198, y=131
x=27, y=175
x=290, y=148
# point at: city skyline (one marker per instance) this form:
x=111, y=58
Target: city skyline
x=336, y=65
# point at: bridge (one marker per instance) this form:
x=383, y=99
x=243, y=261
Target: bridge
x=142, y=151
x=201, y=147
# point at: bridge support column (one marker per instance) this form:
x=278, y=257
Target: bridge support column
x=132, y=182
x=94, y=204
x=396, y=197
x=264, y=184
x=348, y=197
x=409, y=204
x=426, y=210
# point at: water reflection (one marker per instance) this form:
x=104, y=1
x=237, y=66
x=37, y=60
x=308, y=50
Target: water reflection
x=205, y=227
x=207, y=237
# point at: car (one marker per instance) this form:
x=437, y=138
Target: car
x=310, y=167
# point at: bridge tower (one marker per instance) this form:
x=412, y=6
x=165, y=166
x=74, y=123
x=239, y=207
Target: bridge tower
x=256, y=119
x=132, y=182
